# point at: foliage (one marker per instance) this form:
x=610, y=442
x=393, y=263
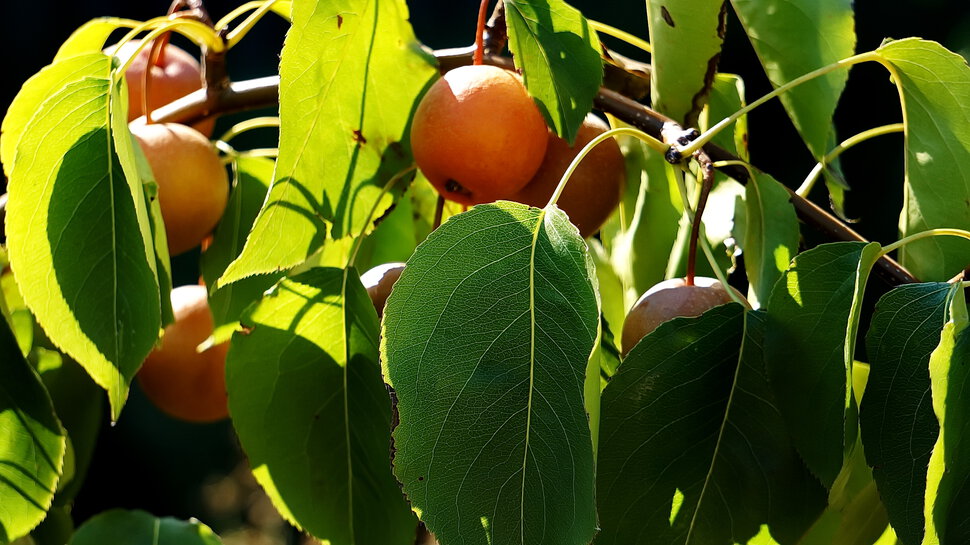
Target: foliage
x=489, y=403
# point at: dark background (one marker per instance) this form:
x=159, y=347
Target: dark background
x=151, y=462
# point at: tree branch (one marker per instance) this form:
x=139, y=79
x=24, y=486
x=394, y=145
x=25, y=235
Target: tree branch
x=264, y=92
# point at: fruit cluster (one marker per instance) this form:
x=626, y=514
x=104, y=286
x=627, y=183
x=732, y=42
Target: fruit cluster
x=478, y=137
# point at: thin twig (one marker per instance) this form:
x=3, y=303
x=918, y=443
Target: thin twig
x=707, y=182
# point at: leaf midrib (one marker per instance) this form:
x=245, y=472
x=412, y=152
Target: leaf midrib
x=347, y=356
x=532, y=366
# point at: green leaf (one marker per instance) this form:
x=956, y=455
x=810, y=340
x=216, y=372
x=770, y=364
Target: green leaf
x=898, y=425
x=400, y=231
x=140, y=528
x=252, y=179
x=813, y=316
x=14, y=309
x=487, y=336
x=727, y=97
x=718, y=228
x=686, y=37
x=40, y=87
x=794, y=37
x=560, y=59
x=163, y=262
x=350, y=75
x=79, y=403
x=78, y=231
x=690, y=414
x=32, y=443
x=640, y=252
x=611, y=289
x=307, y=400
x=771, y=234
x=935, y=90
x=91, y=36
x=854, y=515
x=948, y=477
x=56, y=529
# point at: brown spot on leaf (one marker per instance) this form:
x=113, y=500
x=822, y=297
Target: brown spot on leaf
x=667, y=18
x=359, y=137
x=340, y=21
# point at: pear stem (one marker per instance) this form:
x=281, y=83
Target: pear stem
x=480, y=34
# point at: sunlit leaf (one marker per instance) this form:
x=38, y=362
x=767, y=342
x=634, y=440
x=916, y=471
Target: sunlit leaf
x=163, y=263
x=813, y=316
x=640, y=252
x=140, y=528
x=686, y=38
x=487, y=336
x=350, y=74
x=771, y=234
x=252, y=178
x=948, y=476
x=42, y=86
x=32, y=443
x=794, y=37
x=727, y=97
x=78, y=231
x=611, y=288
x=935, y=90
x=690, y=415
x=307, y=400
x=14, y=309
x=91, y=36
x=559, y=56
x=897, y=421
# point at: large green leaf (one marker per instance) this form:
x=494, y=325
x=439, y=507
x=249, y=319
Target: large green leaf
x=32, y=443
x=140, y=528
x=934, y=87
x=350, y=75
x=559, y=56
x=252, y=176
x=694, y=449
x=813, y=316
x=898, y=425
x=40, y=87
x=948, y=476
x=309, y=405
x=771, y=234
x=78, y=231
x=794, y=37
x=487, y=336
x=686, y=37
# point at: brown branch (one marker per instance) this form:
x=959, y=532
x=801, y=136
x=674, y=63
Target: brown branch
x=264, y=92
x=496, y=32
